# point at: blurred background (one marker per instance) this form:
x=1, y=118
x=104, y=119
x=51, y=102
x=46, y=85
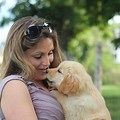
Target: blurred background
x=89, y=32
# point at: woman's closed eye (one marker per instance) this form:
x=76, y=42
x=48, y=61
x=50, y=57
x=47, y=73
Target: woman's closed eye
x=38, y=56
x=51, y=52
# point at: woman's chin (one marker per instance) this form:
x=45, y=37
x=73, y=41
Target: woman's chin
x=42, y=76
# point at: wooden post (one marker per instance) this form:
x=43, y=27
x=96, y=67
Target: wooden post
x=98, y=66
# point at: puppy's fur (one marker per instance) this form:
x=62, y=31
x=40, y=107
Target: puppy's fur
x=76, y=93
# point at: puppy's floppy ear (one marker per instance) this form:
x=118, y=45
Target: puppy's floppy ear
x=70, y=84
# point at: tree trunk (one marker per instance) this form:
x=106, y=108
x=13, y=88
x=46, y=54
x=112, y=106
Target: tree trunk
x=98, y=66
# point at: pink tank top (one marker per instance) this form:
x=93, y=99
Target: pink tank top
x=46, y=105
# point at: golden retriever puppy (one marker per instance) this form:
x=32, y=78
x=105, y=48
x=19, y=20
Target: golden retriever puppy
x=76, y=93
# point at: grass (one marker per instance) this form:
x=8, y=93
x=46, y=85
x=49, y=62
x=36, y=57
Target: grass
x=111, y=94
x=111, y=90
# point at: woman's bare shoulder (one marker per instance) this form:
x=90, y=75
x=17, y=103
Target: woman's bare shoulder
x=16, y=102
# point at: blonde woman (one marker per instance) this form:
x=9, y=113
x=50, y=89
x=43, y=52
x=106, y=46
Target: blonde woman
x=31, y=48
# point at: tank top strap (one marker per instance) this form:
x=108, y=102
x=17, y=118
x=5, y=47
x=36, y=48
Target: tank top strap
x=7, y=79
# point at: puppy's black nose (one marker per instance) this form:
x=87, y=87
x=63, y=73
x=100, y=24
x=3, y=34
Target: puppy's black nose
x=47, y=71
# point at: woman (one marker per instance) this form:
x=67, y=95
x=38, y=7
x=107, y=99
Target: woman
x=30, y=50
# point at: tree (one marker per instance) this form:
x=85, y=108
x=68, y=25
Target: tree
x=70, y=17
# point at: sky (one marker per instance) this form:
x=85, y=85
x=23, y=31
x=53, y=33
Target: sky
x=116, y=19
x=4, y=30
x=4, y=12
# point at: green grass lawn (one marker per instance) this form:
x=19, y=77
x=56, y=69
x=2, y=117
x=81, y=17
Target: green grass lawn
x=111, y=93
x=111, y=90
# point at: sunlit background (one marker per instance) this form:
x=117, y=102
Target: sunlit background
x=89, y=32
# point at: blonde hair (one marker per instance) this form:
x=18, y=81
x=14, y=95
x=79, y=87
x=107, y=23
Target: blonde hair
x=14, y=58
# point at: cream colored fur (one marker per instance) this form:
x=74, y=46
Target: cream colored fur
x=76, y=93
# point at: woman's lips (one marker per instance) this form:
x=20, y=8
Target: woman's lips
x=44, y=70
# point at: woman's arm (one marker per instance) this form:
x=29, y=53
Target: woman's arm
x=16, y=102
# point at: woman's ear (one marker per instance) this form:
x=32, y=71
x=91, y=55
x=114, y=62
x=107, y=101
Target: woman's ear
x=70, y=84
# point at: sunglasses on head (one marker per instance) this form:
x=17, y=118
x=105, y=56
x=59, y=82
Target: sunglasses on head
x=33, y=31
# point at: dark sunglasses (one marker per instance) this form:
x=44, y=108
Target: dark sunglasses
x=33, y=31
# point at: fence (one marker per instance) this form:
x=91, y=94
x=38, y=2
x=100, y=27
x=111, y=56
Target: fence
x=113, y=104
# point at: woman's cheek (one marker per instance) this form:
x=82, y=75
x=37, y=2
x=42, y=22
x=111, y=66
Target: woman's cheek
x=35, y=62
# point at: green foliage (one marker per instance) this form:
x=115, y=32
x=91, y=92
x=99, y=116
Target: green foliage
x=70, y=17
x=63, y=14
x=112, y=75
x=116, y=42
x=85, y=40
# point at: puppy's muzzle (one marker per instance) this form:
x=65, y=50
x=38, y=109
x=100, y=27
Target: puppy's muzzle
x=51, y=85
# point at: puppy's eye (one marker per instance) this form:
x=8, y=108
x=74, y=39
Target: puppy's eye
x=59, y=70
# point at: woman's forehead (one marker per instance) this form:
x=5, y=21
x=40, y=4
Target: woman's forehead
x=43, y=46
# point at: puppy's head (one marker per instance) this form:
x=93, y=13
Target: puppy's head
x=68, y=77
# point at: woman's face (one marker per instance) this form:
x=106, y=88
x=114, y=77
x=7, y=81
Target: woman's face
x=41, y=56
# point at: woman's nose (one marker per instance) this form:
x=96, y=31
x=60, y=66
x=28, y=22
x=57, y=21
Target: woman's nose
x=46, y=61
